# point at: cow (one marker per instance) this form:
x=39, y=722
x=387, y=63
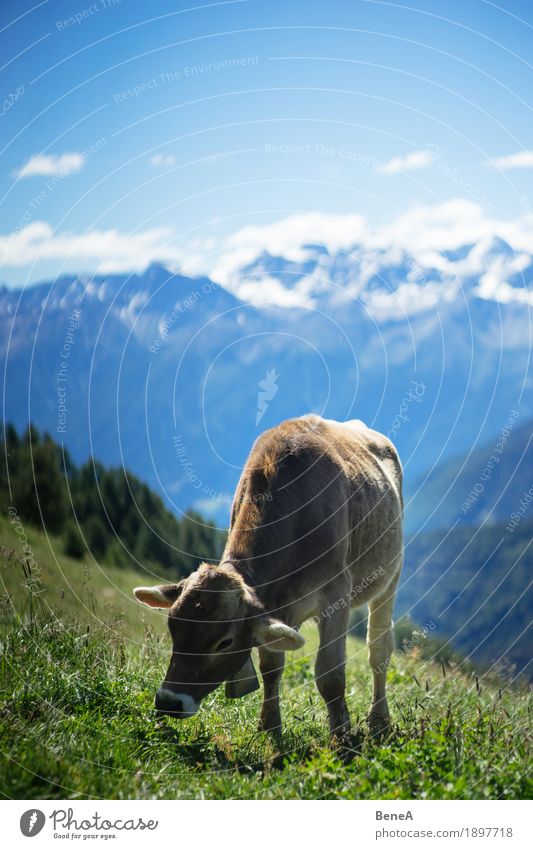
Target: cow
x=315, y=529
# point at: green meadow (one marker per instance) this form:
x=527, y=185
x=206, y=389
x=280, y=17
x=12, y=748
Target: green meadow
x=81, y=662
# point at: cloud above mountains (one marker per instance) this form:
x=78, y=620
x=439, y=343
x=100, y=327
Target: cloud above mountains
x=426, y=233
x=105, y=251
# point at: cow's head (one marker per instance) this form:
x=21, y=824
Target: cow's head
x=214, y=621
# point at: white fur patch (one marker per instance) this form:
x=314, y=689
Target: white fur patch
x=182, y=703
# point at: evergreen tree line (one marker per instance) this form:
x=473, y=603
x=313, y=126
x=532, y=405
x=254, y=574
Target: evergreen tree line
x=108, y=512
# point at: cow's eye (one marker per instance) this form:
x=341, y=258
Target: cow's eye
x=224, y=644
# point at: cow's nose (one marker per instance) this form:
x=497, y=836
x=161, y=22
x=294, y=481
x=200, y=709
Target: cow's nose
x=167, y=701
x=180, y=705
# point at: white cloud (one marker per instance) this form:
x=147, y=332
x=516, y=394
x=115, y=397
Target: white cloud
x=48, y=165
x=412, y=162
x=494, y=286
x=424, y=233
x=408, y=299
x=160, y=160
x=523, y=159
x=106, y=251
x=287, y=238
x=443, y=226
x=450, y=225
x=267, y=291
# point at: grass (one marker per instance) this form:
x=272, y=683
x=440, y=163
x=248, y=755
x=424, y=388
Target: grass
x=74, y=590
x=78, y=674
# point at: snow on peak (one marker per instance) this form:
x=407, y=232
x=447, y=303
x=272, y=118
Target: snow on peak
x=425, y=256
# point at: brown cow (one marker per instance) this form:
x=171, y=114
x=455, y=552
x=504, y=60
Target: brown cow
x=316, y=528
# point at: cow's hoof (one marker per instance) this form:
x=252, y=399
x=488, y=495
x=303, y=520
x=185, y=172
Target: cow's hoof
x=379, y=726
x=347, y=744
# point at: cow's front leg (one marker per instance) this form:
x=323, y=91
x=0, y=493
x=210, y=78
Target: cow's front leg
x=271, y=664
x=329, y=671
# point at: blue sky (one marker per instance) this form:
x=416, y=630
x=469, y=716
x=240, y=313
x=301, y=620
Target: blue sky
x=133, y=130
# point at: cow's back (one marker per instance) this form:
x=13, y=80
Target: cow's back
x=370, y=460
x=318, y=501
x=373, y=467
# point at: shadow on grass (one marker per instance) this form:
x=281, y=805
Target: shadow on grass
x=263, y=753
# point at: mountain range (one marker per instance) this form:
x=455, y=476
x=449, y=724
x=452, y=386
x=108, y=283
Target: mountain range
x=164, y=372
x=484, y=486
x=472, y=586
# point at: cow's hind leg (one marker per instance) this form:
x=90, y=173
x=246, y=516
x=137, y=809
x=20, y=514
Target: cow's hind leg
x=329, y=670
x=271, y=664
x=380, y=642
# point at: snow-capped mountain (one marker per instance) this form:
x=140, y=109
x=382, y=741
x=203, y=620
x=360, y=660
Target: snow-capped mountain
x=390, y=282
x=163, y=372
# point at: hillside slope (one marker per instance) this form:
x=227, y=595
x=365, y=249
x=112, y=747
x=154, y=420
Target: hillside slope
x=474, y=586
x=83, y=592
x=483, y=488
x=77, y=688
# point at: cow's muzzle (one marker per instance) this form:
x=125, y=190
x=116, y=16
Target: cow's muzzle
x=178, y=705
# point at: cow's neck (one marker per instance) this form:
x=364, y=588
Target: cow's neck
x=262, y=590
x=239, y=565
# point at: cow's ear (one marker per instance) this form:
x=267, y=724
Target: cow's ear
x=277, y=636
x=160, y=596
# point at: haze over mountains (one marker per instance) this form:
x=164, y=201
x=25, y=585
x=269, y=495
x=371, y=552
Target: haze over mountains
x=472, y=586
x=469, y=551
x=482, y=487
x=164, y=370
